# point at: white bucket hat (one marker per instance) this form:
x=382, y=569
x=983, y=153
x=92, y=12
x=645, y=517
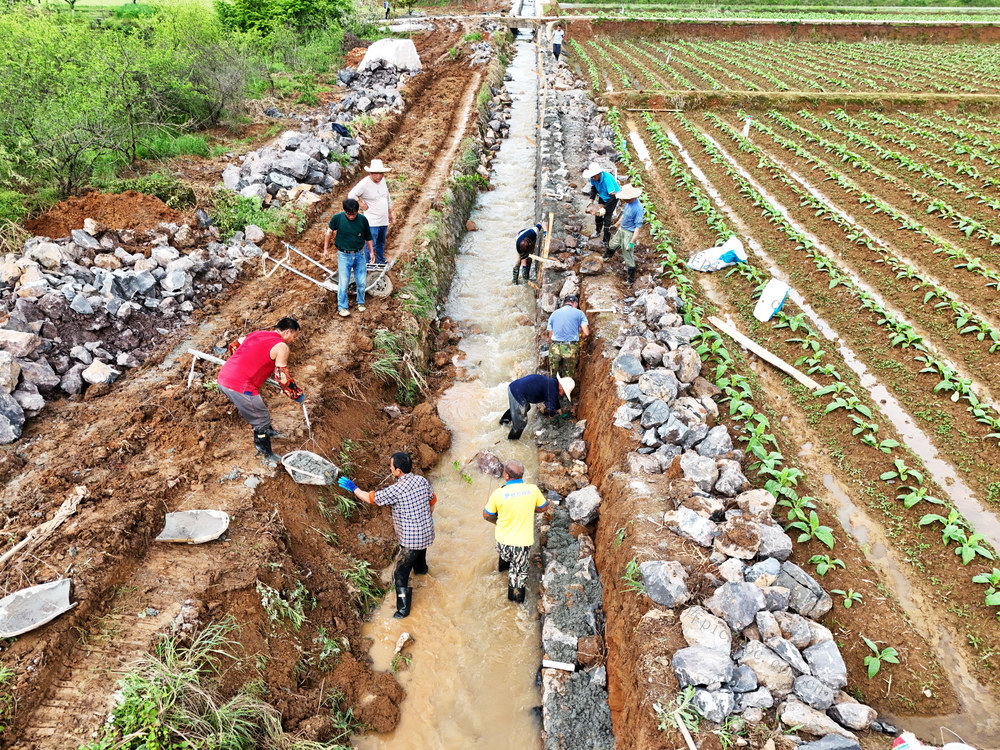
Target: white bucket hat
x=377, y=166
x=568, y=384
x=628, y=192
x=592, y=171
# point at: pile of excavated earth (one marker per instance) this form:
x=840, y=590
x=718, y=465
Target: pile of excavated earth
x=81, y=309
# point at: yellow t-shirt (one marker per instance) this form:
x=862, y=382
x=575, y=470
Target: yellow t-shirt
x=514, y=505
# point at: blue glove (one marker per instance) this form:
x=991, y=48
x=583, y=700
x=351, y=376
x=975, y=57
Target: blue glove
x=347, y=484
x=301, y=399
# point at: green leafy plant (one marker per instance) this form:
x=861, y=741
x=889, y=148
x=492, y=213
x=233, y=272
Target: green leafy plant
x=399, y=661
x=912, y=495
x=619, y=537
x=874, y=661
x=969, y=547
x=679, y=712
x=992, y=581
x=824, y=564
x=811, y=528
x=363, y=583
x=850, y=597
x=902, y=472
x=288, y=606
x=633, y=578
x=953, y=526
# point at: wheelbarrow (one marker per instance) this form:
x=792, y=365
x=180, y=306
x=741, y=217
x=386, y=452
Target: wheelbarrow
x=377, y=282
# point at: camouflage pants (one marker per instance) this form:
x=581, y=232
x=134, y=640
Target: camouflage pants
x=518, y=558
x=563, y=356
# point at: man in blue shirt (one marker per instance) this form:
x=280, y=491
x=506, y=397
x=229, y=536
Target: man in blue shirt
x=533, y=389
x=525, y=245
x=603, y=190
x=628, y=229
x=565, y=327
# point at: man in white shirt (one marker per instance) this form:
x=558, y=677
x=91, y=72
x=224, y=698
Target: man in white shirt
x=557, y=39
x=372, y=193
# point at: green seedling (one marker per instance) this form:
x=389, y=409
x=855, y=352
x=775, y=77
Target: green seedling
x=633, y=578
x=811, y=528
x=399, y=662
x=679, y=712
x=885, y=446
x=992, y=580
x=288, y=606
x=902, y=472
x=874, y=661
x=913, y=495
x=824, y=564
x=954, y=525
x=850, y=596
x=969, y=547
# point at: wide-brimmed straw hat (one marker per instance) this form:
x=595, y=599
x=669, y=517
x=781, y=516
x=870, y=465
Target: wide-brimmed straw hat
x=568, y=384
x=628, y=192
x=377, y=166
x=592, y=171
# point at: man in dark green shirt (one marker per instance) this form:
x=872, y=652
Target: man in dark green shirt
x=352, y=237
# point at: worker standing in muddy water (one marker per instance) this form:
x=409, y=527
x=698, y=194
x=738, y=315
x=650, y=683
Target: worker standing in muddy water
x=512, y=508
x=412, y=504
x=534, y=389
x=525, y=246
x=351, y=235
x=627, y=233
x=252, y=359
x=565, y=327
x=603, y=195
x=372, y=194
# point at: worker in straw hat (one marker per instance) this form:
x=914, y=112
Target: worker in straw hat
x=534, y=389
x=628, y=227
x=372, y=194
x=603, y=195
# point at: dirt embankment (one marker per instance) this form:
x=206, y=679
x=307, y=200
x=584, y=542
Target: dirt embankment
x=806, y=31
x=150, y=446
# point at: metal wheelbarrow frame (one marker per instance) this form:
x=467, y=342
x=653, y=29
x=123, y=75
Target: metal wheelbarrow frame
x=379, y=286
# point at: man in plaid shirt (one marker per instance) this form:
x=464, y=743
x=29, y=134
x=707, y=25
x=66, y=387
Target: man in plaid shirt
x=412, y=504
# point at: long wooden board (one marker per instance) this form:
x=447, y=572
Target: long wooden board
x=763, y=353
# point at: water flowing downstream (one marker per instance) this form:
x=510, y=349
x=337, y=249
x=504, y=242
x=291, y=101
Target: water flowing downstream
x=471, y=681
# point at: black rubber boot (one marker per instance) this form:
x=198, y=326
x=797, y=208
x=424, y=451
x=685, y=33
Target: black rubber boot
x=262, y=442
x=514, y=434
x=526, y=270
x=502, y=564
x=404, y=600
x=517, y=271
x=271, y=432
x=515, y=595
x=506, y=418
x=608, y=252
x=630, y=274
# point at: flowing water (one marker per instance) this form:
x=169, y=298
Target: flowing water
x=471, y=678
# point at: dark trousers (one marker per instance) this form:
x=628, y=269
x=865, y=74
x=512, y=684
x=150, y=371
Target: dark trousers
x=556, y=49
x=605, y=221
x=518, y=416
x=407, y=560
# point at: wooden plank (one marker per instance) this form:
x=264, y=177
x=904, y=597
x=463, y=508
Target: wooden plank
x=212, y=358
x=553, y=261
x=763, y=353
x=545, y=255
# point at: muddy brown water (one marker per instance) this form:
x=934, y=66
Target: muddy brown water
x=470, y=679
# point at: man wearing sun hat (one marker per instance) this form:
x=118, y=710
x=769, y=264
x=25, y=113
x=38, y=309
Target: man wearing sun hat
x=372, y=194
x=603, y=190
x=534, y=389
x=628, y=229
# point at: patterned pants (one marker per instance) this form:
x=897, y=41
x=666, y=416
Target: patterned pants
x=517, y=576
x=563, y=356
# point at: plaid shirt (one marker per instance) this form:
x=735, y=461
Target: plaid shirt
x=410, y=498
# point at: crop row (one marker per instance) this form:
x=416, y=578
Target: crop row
x=842, y=396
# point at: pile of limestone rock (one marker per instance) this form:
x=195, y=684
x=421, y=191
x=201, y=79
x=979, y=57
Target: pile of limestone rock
x=77, y=311
x=370, y=90
x=299, y=168
x=763, y=604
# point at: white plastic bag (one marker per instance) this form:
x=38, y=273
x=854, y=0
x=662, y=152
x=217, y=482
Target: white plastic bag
x=727, y=254
x=771, y=300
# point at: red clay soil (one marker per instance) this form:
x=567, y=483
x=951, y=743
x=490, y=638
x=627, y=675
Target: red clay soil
x=128, y=210
x=149, y=445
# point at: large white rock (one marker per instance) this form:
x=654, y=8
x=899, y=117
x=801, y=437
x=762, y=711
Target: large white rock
x=18, y=343
x=99, y=372
x=9, y=372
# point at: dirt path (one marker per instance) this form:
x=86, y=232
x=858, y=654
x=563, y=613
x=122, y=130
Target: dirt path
x=150, y=446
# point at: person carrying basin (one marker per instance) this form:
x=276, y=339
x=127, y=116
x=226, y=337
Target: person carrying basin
x=604, y=192
x=628, y=227
x=525, y=246
x=412, y=502
x=252, y=359
x=352, y=236
x=372, y=195
x=565, y=327
x=512, y=507
x=534, y=389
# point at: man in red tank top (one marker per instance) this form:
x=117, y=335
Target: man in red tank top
x=252, y=359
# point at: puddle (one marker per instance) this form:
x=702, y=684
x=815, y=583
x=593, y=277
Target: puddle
x=471, y=679
x=640, y=149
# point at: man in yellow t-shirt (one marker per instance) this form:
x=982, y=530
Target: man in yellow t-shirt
x=512, y=508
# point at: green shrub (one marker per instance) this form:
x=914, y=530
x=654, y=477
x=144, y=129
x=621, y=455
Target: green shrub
x=133, y=11
x=166, y=145
x=232, y=213
x=166, y=187
x=13, y=206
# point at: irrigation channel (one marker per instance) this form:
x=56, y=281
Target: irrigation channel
x=471, y=678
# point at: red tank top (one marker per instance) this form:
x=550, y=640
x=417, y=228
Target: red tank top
x=251, y=363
